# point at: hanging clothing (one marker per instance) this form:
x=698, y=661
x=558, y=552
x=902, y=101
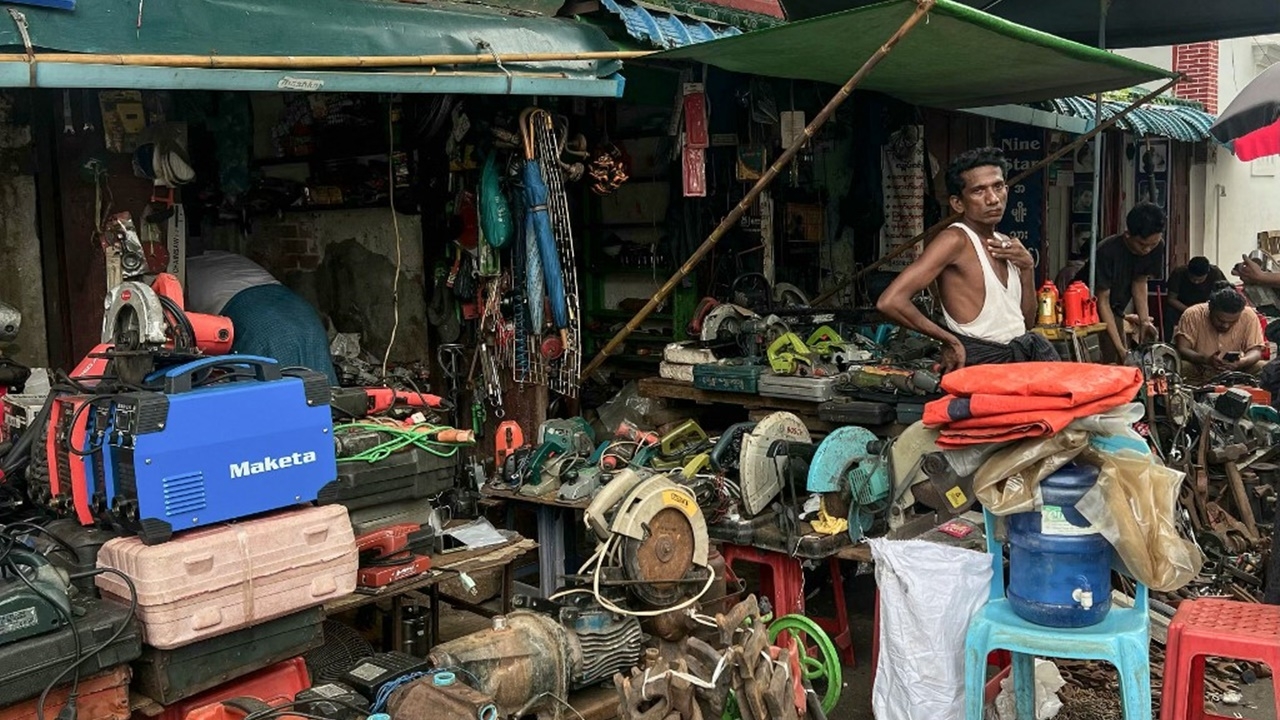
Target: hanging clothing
x=1029, y=347
x=1000, y=320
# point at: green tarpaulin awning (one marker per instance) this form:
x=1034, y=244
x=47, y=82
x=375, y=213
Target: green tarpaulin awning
x=959, y=57
x=315, y=27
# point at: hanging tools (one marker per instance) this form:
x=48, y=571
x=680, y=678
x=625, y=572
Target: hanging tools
x=450, y=356
x=492, y=383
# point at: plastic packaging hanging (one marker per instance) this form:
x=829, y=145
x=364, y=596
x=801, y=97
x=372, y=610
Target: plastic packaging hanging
x=495, y=213
x=1133, y=505
x=928, y=594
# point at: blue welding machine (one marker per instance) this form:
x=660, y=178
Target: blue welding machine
x=215, y=446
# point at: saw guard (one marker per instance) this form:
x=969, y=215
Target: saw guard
x=145, y=304
x=647, y=499
x=834, y=456
x=610, y=495
x=759, y=475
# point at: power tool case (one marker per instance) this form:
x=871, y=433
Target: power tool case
x=168, y=676
x=213, y=581
x=27, y=667
x=410, y=474
x=273, y=685
x=102, y=697
x=366, y=520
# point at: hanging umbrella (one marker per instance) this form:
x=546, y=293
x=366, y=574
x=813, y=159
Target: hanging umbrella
x=539, y=231
x=1251, y=123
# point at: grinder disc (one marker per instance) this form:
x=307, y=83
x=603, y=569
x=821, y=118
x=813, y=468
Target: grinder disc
x=657, y=563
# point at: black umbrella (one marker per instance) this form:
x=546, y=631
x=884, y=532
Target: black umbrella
x=1249, y=123
x=1130, y=23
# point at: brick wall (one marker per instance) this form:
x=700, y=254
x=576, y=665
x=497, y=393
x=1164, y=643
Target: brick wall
x=1199, y=62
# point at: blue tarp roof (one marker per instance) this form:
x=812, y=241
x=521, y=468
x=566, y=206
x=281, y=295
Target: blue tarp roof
x=664, y=28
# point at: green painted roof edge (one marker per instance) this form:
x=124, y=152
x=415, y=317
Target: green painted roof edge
x=963, y=13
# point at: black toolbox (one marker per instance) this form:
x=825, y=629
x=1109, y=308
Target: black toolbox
x=168, y=676
x=406, y=475
x=27, y=667
x=847, y=411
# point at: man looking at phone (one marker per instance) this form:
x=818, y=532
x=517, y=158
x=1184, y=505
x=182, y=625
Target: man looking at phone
x=1222, y=335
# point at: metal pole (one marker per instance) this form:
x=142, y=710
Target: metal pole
x=922, y=8
x=1056, y=155
x=1095, y=211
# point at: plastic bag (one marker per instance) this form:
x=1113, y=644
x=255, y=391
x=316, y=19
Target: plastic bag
x=928, y=594
x=495, y=213
x=1048, y=682
x=1133, y=505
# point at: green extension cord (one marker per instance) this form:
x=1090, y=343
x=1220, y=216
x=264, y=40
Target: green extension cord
x=400, y=439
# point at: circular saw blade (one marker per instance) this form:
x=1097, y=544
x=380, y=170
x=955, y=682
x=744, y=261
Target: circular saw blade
x=662, y=559
x=130, y=362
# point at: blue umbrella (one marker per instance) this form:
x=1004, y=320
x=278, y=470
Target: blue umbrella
x=538, y=229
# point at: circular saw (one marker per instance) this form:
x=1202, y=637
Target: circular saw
x=760, y=476
x=134, y=326
x=662, y=532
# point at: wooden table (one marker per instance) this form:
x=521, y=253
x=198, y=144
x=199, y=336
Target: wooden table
x=757, y=406
x=552, y=514
x=443, y=566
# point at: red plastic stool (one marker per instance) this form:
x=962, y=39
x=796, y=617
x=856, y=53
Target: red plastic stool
x=783, y=584
x=1214, y=628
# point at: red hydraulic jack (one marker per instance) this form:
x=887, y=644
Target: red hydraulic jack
x=386, y=555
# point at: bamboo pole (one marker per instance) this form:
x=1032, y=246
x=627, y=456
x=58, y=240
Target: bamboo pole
x=318, y=62
x=942, y=224
x=922, y=8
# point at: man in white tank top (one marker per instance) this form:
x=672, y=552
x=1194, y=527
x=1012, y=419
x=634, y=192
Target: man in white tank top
x=985, y=279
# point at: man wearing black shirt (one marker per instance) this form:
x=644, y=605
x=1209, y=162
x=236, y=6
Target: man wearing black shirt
x=1125, y=263
x=1189, y=285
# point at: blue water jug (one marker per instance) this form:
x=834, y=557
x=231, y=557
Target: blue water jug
x=1059, y=565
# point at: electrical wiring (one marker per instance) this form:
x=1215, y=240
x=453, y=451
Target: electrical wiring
x=607, y=550
x=401, y=437
x=133, y=609
x=395, y=225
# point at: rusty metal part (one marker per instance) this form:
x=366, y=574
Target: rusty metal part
x=523, y=656
x=731, y=621
x=1244, y=507
x=424, y=700
x=662, y=558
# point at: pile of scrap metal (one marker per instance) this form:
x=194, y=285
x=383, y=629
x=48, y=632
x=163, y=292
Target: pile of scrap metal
x=733, y=667
x=1219, y=435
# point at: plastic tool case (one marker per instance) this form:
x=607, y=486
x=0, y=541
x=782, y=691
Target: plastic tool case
x=214, y=581
x=168, y=676
x=27, y=667
x=410, y=474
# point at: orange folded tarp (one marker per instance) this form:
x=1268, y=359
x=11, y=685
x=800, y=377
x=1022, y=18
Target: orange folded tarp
x=998, y=403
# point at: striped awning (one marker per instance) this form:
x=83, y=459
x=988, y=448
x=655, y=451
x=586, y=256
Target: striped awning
x=1180, y=120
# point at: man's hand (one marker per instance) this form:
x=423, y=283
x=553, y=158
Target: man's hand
x=1219, y=363
x=952, y=356
x=1249, y=271
x=1012, y=251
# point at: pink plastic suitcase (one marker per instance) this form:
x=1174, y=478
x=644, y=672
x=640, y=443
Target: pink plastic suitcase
x=215, y=580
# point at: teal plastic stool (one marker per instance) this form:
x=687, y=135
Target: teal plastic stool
x=1123, y=639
